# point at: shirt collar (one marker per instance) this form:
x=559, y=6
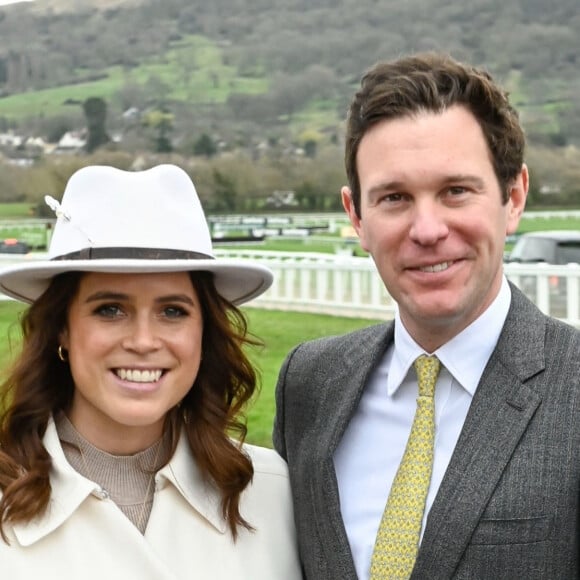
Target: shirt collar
x=464, y=356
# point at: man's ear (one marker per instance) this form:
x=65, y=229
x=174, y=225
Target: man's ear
x=349, y=208
x=518, y=193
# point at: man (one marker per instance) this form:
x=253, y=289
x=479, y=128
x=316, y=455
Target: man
x=434, y=159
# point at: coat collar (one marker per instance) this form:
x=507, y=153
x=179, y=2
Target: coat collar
x=182, y=471
x=70, y=489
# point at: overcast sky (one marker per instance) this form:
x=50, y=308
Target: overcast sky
x=4, y=2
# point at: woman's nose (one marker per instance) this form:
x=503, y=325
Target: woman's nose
x=142, y=336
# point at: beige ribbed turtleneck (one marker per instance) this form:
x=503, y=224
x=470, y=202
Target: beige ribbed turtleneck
x=128, y=479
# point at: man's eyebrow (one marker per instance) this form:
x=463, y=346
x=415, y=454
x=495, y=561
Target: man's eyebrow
x=397, y=185
x=386, y=186
x=465, y=177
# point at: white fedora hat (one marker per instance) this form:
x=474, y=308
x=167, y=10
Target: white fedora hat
x=132, y=222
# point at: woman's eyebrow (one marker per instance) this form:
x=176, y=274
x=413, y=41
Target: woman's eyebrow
x=120, y=296
x=175, y=298
x=106, y=295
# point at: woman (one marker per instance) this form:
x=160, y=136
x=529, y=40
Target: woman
x=117, y=455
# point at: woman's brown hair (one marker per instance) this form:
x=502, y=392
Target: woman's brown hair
x=40, y=385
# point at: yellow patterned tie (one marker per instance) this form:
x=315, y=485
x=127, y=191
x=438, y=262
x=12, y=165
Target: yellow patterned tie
x=398, y=536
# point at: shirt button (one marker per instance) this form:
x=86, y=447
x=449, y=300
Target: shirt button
x=102, y=493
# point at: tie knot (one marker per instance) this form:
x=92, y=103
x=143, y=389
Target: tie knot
x=427, y=368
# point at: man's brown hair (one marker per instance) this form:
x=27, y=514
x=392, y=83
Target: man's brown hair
x=432, y=82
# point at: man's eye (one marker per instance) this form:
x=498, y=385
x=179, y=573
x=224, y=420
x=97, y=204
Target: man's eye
x=457, y=190
x=393, y=197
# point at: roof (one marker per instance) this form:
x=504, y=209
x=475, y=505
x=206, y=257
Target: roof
x=560, y=235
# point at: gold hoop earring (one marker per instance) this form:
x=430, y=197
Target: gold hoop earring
x=61, y=353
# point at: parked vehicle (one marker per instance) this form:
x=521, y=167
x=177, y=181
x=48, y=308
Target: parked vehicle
x=550, y=247
x=13, y=246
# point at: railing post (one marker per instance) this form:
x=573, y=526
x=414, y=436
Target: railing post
x=573, y=293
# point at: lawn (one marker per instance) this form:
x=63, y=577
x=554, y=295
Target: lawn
x=279, y=331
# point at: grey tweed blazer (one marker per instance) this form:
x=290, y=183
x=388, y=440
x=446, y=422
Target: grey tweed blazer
x=508, y=506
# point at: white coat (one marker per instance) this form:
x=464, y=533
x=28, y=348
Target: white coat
x=83, y=534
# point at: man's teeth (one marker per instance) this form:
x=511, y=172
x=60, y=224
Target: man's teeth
x=139, y=376
x=436, y=267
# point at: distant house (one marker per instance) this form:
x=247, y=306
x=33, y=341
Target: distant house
x=21, y=151
x=71, y=142
x=280, y=199
x=131, y=114
x=36, y=142
x=10, y=140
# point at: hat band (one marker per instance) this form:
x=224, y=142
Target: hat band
x=133, y=254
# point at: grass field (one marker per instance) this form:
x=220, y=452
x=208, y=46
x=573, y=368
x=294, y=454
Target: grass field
x=16, y=211
x=530, y=224
x=280, y=331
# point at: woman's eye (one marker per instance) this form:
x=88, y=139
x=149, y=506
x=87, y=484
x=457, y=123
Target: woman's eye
x=108, y=310
x=174, y=312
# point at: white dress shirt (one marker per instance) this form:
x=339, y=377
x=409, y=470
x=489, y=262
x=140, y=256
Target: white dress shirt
x=369, y=454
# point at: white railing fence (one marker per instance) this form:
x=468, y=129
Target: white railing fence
x=350, y=286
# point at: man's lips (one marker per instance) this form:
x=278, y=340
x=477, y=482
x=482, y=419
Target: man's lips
x=439, y=267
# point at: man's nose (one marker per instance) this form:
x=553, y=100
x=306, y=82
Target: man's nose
x=429, y=223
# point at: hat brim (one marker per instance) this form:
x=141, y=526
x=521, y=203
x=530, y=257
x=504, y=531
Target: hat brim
x=236, y=282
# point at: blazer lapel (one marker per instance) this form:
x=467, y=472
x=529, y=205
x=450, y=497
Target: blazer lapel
x=498, y=417
x=342, y=390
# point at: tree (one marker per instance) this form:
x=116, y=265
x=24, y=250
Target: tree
x=205, y=146
x=224, y=191
x=161, y=121
x=95, y=110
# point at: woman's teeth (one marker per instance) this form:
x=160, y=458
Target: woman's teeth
x=139, y=376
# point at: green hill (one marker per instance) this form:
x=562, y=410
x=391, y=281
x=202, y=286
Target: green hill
x=251, y=95
x=292, y=57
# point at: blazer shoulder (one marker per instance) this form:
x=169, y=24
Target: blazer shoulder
x=558, y=328
x=563, y=345
x=343, y=343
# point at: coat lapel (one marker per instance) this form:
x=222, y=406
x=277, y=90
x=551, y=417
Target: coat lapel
x=498, y=417
x=342, y=391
